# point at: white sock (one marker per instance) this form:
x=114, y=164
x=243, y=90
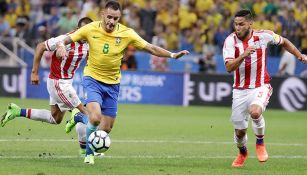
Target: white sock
x=240, y=142
x=41, y=115
x=258, y=126
x=81, y=132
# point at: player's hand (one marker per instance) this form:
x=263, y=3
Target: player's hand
x=181, y=53
x=248, y=51
x=61, y=52
x=34, y=78
x=303, y=58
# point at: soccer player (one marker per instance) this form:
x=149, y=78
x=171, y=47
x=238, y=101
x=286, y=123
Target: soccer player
x=244, y=54
x=107, y=40
x=63, y=96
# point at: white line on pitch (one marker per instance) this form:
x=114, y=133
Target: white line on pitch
x=146, y=141
x=148, y=157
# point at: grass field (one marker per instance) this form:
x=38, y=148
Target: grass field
x=154, y=140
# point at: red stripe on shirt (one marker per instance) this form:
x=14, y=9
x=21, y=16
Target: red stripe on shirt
x=259, y=63
x=80, y=55
x=237, y=75
x=69, y=59
x=248, y=68
x=55, y=68
x=266, y=74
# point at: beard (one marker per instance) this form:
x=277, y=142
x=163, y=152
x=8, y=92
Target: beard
x=244, y=35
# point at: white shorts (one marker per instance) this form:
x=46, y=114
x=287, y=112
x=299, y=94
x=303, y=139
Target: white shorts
x=63, y=94
x=243, y=99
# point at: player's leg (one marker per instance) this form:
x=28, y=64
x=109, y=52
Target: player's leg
x=54, y=116
x=109, y=108
x=240, y=139
x=239, y=118
x=81, y=130
x=67, y=99
x=94, y=101
x=78, y=115
x=94, y=120
x=259, y=101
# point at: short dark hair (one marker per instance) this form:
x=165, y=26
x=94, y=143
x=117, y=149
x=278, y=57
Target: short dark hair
x=247, y=14
x=113, y=5
x=86, y=20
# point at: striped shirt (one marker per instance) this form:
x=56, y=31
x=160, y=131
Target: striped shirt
x=252, y=72
x=65, y=68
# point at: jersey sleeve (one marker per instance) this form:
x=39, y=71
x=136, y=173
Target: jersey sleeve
x=272, y=38
x=229, y=49
x=51, y=43
x=80, y=34
x=137, y=41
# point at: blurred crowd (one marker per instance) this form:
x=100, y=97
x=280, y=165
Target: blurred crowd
x=196, y=25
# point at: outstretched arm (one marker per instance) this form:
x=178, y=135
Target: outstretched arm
x=293, y=50
x=160, y=52
x=39, y=51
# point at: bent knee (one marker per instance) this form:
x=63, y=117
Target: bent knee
x=255, y=114
x=95, y=118
x=240, y=133
x=108, y=129
x=255, y=111
x=57, y=117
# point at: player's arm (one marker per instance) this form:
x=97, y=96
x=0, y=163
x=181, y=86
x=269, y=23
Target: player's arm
x=60, y=47
x=140, y=43
x=39, y=51
x=293, y=50
x=160, y=52
x=78, y=35
x=234, y=64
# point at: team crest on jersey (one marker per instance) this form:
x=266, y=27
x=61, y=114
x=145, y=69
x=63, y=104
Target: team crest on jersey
x=117, y=41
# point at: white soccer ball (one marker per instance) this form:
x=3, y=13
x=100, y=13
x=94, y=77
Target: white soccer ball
x=99, y=141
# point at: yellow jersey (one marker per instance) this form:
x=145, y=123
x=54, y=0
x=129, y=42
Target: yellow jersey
x=106, y=50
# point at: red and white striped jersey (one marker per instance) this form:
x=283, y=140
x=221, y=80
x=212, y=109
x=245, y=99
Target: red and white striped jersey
x=252, y=72
x=65, y=68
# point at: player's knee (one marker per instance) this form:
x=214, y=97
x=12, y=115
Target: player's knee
x=255, y=114
x=57, y=117
x=255, y=111
x=95, y=119
x=240, y=133
x=107, y=129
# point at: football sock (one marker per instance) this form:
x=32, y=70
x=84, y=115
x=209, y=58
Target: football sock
x=243, y=150
x=81, y=132
x=38, y=115
x=241, y=143
x=259, y=128
x=89, y=129
x=259, y=139
x=80, y=117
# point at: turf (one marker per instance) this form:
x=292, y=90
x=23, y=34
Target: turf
x=154, y=140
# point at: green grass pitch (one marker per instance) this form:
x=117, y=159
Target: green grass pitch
x=154, y=140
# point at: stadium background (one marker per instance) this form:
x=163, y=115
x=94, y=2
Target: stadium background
x=164, y=138
x=196, y=25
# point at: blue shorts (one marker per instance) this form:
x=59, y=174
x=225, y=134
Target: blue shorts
x=104, y=94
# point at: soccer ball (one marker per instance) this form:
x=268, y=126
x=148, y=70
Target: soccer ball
x=99, y=141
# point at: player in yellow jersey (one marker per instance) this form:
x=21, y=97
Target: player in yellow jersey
x=107, y=40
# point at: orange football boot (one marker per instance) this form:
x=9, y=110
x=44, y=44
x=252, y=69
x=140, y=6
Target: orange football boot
x=261, y=153
x=239, y=161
